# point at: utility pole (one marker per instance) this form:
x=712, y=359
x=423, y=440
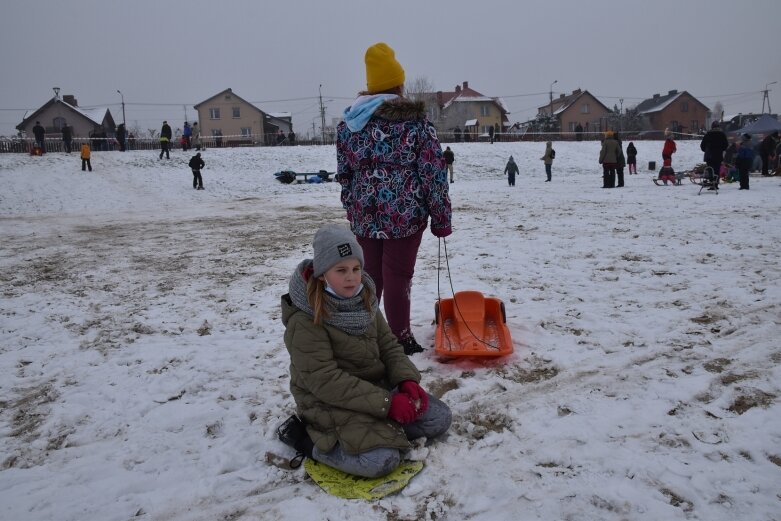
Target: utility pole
x=766, y=97
x=322, y=114
x=123, y=107
x=620, y=113
x=551, y=101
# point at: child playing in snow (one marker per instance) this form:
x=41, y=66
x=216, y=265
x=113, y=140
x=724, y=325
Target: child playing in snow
x=85, y=155
x=356, y=392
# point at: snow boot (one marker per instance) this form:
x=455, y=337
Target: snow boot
x=293, y=434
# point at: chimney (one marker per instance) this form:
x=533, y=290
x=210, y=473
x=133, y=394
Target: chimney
x=576, y=91
x=70, y=100
x=672, y=92
x=458, y=89
x=466, y=85
x=561, y=96
x=656, y=96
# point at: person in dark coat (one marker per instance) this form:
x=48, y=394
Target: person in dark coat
x=767, y=150
x=744, y=159
x=579, y=132
x=67, y=137
x=609, y=158
x=121, y=134
x=40, y=136
x=449, y=159
x=621, y=162
x=457, y=134
x=631, y=158
x=196, y=163
x=165, y=140
x=511, y=170
x=291, y=138
x=713, y=144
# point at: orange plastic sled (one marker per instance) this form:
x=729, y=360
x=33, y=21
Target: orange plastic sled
x=471, y=325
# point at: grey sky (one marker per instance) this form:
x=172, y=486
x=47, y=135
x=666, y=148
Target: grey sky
x=176, y=53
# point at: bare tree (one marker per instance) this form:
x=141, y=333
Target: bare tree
x=419, y=89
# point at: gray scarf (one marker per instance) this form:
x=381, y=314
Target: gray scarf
x=348, y=314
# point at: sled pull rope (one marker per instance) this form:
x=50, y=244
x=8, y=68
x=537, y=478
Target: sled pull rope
x=443, y=243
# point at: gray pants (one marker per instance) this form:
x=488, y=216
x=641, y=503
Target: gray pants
x=381, y=461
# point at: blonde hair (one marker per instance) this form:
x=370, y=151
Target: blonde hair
x=315, y=295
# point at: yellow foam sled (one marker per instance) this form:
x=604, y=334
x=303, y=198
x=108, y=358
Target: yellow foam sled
x=347, y=486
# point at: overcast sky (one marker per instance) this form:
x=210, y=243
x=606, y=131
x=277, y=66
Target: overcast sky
x=167, y=55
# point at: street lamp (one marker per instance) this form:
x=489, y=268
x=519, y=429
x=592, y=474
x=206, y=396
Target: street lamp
x=551, y=99
x=123, y=107
x=766, y=97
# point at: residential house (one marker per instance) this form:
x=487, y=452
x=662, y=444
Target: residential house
x=56, y=113
x=275, y=123
x=678, y=111
x=467, y=110
x=580, y=107
x=233, y=118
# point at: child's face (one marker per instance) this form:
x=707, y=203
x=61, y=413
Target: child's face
x=344, y=278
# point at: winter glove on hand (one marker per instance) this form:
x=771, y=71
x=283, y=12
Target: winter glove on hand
x=416, y=393
x=441, y=232
x=401, y=409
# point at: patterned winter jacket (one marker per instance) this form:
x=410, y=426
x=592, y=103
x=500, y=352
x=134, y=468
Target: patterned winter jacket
x=341, y=382
x=393, y=174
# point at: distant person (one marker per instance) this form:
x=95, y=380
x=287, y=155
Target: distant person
x=121, y=135
x=608, y=158
x=85, y=157
x=579, y=132
x=165, y=140
x=196, y=137
x=744, y=160
x=187, y=133
x=621, y=162
x=291, y=138
x=511, y=170
x=547, y=157
x=714, y=144
x=631, y=158
x=449, y=159
x=196, y=164
x=767, y=150
x=40, y=136
x=67, y=138
x=218, y=138
x=668, y=149
x=491, y=134
x=457, y=135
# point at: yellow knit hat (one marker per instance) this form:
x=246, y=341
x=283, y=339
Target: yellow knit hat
x=383, y=72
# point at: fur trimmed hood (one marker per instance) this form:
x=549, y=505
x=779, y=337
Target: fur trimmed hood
x=401, y=109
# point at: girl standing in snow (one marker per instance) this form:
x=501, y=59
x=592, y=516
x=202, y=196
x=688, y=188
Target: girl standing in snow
x=356, y=392
x=631, y=158
x=393, y=177
x=548, y=158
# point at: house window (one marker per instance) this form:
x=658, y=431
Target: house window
x=572, y=126
x=685, y=106
x=585, y=109
x=59, y=122
x=216, y=132
x=695, y=125
x=214, y=113
x=246, y=132
x=485, y=110
x=236, y=112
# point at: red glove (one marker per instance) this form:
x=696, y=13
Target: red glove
x=441, y=232
x=416, y=393
x=401, y=409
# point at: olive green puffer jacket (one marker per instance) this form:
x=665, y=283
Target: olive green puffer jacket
x=341, y=383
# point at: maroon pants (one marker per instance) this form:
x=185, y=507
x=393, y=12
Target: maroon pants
x=391, y=264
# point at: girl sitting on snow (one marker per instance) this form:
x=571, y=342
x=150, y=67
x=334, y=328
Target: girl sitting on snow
x=356, y=392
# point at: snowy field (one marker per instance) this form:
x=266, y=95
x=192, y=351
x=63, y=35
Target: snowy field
x=144, y=373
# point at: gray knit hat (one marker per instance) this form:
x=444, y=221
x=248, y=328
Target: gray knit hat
x=334, y=243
